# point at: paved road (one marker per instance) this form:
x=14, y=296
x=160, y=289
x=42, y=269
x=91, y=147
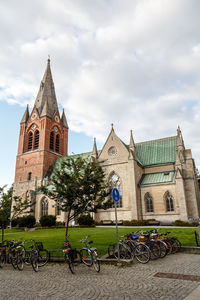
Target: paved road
x=131, y=282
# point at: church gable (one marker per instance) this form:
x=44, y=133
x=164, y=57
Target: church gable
x=114, y=150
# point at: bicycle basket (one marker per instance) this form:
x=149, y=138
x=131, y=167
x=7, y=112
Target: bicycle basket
x=73, y=253
x=39, y=246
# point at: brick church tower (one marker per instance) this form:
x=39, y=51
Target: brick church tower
x=43, y=134
x=43, y=138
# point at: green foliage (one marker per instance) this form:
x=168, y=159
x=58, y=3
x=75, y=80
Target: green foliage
x=5, y=206
x=26, y=221
x=20, y=206
x=85, y=220
x=48, y=221
x=135, y=223
x=185, y=224
x=78, y=186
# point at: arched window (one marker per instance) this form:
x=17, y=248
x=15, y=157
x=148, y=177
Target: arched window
x=44, y=205
x=36, y=140
x=29, y=176
x=169, y=202
x=58, y=208
x=30, y=141
x=51, y=144
x=57, y=143
x=148, y=202
x=115, y=182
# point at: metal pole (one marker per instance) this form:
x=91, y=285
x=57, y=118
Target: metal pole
x=117, y=233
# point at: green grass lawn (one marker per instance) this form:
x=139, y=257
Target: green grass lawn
x=53, y=238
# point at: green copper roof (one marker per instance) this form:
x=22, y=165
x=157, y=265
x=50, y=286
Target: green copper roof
x=158, y=178
x=157, y=152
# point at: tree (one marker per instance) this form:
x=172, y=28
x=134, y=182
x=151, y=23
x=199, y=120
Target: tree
x=78, y=186
x=8, y=212
x=5, y=207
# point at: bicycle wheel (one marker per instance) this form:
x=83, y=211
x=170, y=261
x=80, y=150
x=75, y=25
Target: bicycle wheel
x=13, y=260
x=20, y=262
x=178, y=244
x=34, y=262
x=169, y=246
x=142, y=253
x=155, y=250
x=124, y=251
x=110, y=250
x=96, y=262
x=163, y=249
x=2, y=260
x=73, y=260
x=27, y=257
x=86, y=257
x=43, y=257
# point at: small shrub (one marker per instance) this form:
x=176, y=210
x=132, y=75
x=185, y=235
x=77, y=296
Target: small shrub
x=185, y=224
x=14, y=223
x=30, y=221
x=85, y=220
x=135, y=223
x=25, y=221
x=48, y=221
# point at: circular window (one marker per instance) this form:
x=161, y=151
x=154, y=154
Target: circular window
x=55, y=128
x=56, y=119
x=33, y=116
x=112, y=151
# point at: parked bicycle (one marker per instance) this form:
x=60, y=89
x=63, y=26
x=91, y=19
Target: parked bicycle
x=89, y=255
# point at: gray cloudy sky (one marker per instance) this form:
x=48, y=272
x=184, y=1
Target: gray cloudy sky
x=132, y=63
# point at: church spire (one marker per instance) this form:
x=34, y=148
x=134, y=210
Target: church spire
x=180, y=149
x=46, y=102
x=25, y=116
x=132, y=149
x=64, y=120
x=94, y=155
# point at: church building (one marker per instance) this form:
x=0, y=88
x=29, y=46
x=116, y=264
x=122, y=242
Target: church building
x=156, y=179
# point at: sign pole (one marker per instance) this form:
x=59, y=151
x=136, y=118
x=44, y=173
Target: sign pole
x=116, y=197
x=117, y=232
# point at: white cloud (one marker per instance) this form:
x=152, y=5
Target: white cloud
x=132, y=63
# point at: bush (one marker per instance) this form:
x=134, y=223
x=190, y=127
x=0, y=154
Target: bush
x=30, y=221
x=135, y=223
x=85, y=220
x=186, y=224
x=48, y=221
x=14, y=223
x=26, y=221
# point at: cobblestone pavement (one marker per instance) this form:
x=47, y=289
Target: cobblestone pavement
x=136, y=281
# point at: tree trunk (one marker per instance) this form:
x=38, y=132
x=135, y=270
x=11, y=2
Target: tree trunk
x=67, y=226
x=2, y=232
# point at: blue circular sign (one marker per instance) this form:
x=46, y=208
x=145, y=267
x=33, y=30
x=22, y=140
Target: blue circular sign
x=115, y=194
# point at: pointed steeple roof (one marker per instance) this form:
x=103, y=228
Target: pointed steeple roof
x=94, y=155
x=132, y=148
x=179, y=138
x=64, y=120
x=46, y=102
x=132, y=144
x=25, y=116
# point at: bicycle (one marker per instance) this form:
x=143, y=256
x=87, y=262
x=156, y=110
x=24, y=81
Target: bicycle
x=124, y=250
x=89, y=255
x=8, y=253
x=71, y=256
